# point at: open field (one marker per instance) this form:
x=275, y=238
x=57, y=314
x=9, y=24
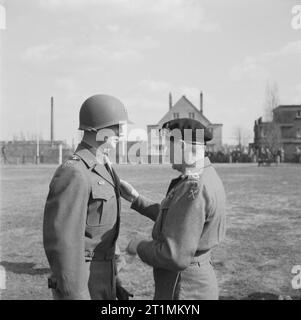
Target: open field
x=263, y=237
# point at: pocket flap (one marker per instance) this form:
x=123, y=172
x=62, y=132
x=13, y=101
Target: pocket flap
x=102, y=191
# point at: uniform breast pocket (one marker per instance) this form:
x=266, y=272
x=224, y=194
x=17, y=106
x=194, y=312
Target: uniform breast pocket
x=99, y=198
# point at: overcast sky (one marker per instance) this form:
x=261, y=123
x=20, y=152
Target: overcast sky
x=139, y=51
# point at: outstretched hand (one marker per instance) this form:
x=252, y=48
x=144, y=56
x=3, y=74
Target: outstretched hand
x=127, y=191
x=131, y=249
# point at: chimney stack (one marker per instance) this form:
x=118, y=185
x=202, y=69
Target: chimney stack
x=201, y=102
x=51, y=123
x=170, y=100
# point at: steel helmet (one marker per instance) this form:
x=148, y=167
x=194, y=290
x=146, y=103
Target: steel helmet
x=101, y=111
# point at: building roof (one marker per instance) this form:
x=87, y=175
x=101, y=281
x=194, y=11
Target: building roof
x=289, y=107
x=183, y=102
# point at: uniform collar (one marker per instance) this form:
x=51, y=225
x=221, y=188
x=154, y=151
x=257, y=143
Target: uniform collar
x=87, y=154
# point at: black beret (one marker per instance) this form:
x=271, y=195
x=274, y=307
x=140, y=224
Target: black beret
x=187, y=123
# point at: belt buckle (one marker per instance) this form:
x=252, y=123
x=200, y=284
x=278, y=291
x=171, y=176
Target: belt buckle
x=89, y=255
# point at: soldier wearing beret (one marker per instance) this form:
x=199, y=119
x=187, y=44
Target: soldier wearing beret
x=189, y=222
x=82, y=211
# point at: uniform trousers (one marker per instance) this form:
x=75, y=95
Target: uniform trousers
x=197, y=282
x=101, y=278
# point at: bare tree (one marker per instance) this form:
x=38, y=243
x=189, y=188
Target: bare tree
x=241, y=136
x=21, y=136
x=238, y=136
x=32, y=137
x=272, y=138
x=271, y=100
x=272, y=134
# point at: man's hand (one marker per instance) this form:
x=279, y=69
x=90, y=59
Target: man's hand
x=121, y=292
x=128, y=192
x=132, y=246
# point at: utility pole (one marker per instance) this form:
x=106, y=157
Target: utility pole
x=38, y=149
x=60, y=153
x=51, y=123
x=37, y=138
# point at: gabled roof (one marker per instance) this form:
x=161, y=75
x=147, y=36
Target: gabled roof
x=197, y=110
x=184, y=100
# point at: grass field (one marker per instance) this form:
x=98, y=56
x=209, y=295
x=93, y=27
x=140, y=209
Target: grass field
x=263, y=236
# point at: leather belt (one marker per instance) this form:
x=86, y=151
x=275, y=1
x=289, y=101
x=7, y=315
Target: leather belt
x=89, y=256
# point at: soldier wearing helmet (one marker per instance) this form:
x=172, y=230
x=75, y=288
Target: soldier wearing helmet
x=189, y=222
x=82, y=210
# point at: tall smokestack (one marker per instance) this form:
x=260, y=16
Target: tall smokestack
x=51, y=123
x=201, y=102
x=170, y=100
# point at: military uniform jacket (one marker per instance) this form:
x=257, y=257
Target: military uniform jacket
x=188, y=223
x=81, y=220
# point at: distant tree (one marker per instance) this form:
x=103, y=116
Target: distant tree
x=271, y=100
x=21, y=136
x=238, y=136
x=272, y=133
x=241, y=137
x=272, y=138
x=34, y=136
x=31, y=136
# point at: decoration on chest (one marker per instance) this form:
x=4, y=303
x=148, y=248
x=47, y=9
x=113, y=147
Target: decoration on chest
x=193, y=192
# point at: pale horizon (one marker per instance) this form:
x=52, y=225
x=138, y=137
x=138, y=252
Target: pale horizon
x=139, y=51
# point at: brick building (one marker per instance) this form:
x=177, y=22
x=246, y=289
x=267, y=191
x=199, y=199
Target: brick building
x=287, y=118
